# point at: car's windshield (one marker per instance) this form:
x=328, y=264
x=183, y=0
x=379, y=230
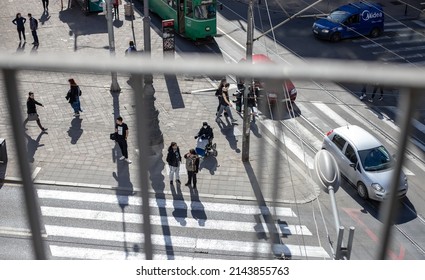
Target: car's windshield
x=375, y=159
x=338, y=16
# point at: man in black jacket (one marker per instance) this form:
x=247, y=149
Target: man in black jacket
x=32, y=111
x=205, y=132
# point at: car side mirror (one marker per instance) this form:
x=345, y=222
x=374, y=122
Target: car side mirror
x=353, y=165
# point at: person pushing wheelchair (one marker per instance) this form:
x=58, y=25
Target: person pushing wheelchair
x=205, y=137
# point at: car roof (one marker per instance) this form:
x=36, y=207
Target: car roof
x=358, y=137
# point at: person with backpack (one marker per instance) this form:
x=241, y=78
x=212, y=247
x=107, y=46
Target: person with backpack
x=192, y=167
x=33, y=27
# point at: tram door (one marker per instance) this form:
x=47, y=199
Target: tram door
x=180, y=16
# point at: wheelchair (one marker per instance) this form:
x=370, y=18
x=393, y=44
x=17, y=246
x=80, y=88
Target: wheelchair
x=205, y=147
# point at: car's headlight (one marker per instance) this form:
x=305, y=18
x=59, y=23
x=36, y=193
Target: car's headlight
x=377, y=187
x=325, y=30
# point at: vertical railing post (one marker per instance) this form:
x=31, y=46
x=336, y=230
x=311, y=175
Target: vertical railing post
x=408, y=99
x=143, y=136
x=32, y=206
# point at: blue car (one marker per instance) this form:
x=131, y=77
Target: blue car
x=351, y=20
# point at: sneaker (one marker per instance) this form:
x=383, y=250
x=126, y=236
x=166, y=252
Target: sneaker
x=127, y=160
x=44, y=129
x=362, y=96
x=234, y=121
x=122, y=158
x=76, y=114
x=187, y=185
x=370, y=100
x=178, y=181
x=381, y=98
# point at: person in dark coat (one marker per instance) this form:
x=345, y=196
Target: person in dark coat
x=174, y=159
x=32, y=111
x=33, y=27
x=19, y=21
x=205, y=132
x=73, y=97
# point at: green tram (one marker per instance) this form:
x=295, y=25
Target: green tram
x=193, y=19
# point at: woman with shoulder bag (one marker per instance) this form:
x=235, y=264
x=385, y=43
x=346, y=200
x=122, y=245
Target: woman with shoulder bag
x=73, y=97
x=32, y=111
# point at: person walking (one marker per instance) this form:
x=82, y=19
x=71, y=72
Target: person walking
x=225, y=104
x=192, y=167
x=73, y=97
x=121, y=130
x=116, y=4
x=219, y=94
x=45, y=5
x=363, y=92
x=174, y=159
x=32, y=111
x=375, y=89
x=33, y=27
x=19, y=21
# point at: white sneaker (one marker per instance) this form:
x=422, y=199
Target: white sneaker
x=127, y=160
x=122, y=158
x=362, y=96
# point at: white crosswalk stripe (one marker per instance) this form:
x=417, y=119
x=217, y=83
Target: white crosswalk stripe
x=88, y=218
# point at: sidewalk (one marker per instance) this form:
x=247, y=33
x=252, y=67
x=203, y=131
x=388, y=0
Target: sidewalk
x=78, y=152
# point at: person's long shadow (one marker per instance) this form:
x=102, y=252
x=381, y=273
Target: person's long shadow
x=33, y=145
x=44, y=17
x=197, y=208
x=75, y=130
x=21, y=48
x=180, y=207
x=123, y=191
x=228, y=130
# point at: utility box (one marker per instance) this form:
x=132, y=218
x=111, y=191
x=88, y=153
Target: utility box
x=3, y=151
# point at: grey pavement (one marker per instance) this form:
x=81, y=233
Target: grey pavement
x=78, y=152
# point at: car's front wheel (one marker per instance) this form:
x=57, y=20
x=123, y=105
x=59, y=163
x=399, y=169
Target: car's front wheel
x=336, y=37
x=362, y=190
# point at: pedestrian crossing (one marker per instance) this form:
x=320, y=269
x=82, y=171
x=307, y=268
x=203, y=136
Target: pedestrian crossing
x=89, y=225
x=399, y=43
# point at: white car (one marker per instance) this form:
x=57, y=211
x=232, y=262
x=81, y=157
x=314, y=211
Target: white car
x=364, y=161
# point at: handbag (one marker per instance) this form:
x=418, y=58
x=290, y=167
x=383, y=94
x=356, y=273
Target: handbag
x=32, y=116
x=113, y=136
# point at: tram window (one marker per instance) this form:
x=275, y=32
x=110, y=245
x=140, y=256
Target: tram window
x=172, y=3
x=189, y=8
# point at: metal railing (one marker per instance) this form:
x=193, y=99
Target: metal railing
x=409, y=79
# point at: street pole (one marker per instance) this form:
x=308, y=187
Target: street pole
x=246, y=117
x=147, y=29
x=115, y=87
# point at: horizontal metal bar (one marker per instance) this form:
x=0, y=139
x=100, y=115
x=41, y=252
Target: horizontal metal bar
x=398, y=75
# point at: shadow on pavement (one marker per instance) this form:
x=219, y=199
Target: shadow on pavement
x=180, y=206
x=123, y=191
x=75, y=130
x=33, y=145
x=228, y=130
x=265, y=212
x=210, y=163
x=174, y=92
x=197, y=208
